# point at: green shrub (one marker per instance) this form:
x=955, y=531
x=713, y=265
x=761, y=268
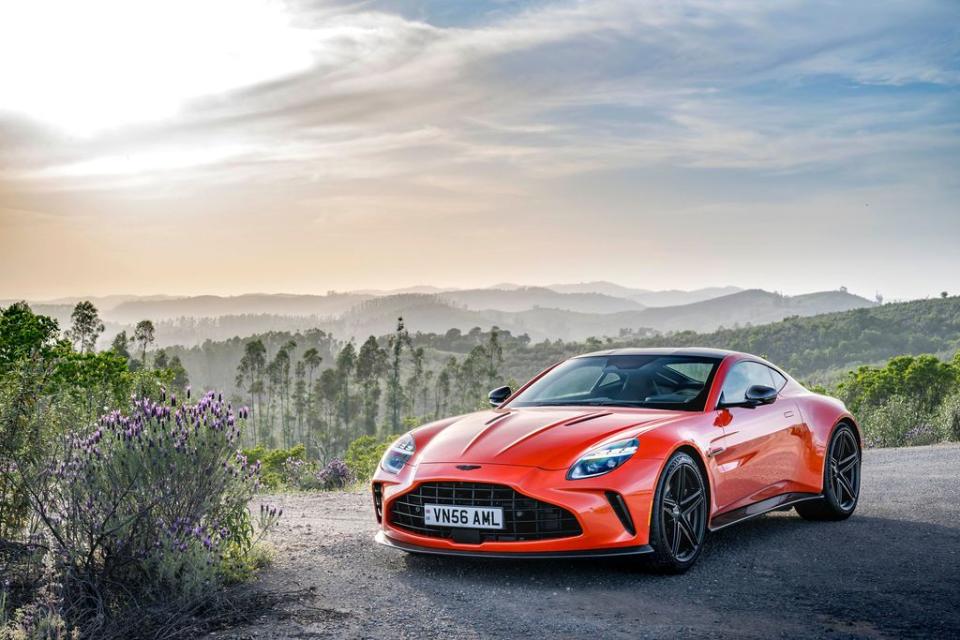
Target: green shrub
x=948, y=418
x=145, y=518
x=899, y=422
x=363, y=455
x=278, y=467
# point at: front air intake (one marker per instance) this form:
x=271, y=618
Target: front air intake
x=378, y=500
x=620, y=508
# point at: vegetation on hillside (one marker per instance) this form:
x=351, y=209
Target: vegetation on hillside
x=314, y=389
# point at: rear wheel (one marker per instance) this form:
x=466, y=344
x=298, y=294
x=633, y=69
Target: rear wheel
x=841, y=479
x=679, y=522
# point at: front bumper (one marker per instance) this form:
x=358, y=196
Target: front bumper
x=615, y=552
x=603, y=531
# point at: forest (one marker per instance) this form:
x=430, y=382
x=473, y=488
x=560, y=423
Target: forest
x=312, y=388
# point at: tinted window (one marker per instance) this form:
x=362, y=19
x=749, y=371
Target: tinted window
x=669, y=382
x=778, y=379
x=744, y=375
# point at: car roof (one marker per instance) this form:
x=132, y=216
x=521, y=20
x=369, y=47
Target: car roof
x=702, y=352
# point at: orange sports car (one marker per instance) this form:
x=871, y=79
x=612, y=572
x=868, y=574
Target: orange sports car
x=628, y=452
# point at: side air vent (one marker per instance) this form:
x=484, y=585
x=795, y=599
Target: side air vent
x=620, y=508
x=378, y=500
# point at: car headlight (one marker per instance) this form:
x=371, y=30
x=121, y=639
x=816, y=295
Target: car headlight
x=398, y=454
x=603, y=459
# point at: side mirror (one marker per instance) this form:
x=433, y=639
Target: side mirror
x=498, y=395
x=755, y=396
x=760, y=394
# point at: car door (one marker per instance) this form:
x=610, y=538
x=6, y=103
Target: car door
x=760, y=450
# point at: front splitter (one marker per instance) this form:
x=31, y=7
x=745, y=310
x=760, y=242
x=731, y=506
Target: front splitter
x=617, y=552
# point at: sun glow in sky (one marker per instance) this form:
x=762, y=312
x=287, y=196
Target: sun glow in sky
x=96, y=65
x=261, y=145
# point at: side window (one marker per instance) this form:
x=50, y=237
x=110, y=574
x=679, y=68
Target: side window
x=741, y=377
x=778, y=379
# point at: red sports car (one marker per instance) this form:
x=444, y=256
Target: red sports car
x=635, y=452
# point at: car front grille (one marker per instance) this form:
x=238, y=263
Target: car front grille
x=524, y=518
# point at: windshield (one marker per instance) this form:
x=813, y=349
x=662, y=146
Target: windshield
x=656, y=381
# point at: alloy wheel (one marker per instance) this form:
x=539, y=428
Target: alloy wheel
x=845, y=469
x=683, y=512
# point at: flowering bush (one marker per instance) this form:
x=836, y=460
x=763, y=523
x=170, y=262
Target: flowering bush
x=335, y=475
x=279, y=467
x=145, y=516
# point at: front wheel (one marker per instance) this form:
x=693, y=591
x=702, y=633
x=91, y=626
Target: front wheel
x=678, y=525
x=841, y=479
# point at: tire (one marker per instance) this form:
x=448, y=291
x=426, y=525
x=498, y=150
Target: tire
x=678, y=525
x=841, y=479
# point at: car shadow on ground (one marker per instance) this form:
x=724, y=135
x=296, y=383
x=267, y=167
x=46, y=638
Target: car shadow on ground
x=867, y=575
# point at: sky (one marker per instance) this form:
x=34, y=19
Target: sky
x=232, y=146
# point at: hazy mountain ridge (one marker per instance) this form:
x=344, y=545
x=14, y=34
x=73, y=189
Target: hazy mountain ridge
x=540, y=312
x=433, y=314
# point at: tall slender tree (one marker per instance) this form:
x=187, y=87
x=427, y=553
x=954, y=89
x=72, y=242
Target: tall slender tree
x=86, y=327
x=144, y=335
x=371, y=365
x=398, y=341
x=346, y=364
x=250, y=376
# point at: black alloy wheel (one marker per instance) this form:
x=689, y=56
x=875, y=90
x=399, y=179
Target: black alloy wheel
x=841, y=479
x=679, y=525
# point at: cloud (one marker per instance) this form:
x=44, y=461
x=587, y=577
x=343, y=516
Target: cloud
x=401, y=123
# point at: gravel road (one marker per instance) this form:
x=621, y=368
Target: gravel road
x=891, y=571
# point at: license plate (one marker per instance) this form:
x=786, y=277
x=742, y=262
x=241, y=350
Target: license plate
x=445, y=515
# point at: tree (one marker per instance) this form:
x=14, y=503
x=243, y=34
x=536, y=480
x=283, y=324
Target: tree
x=24, y=334
x=250, y=371
x=180, y=378
x=445, y=378
x=143, y=335
x=160, y=359
x=86, y=327
x=280, y=378
x=416, y=380
x=120, y=344
x=311, y=359
x=495, y=355
x=371, y=365
x=943, y=294
x=346, y=364
x=398, y=340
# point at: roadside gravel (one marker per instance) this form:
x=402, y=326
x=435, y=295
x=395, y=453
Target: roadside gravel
x=891, y=571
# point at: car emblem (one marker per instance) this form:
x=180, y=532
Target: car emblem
x=468, y=467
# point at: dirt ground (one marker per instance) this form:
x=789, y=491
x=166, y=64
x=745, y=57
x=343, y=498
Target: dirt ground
x=891, y=571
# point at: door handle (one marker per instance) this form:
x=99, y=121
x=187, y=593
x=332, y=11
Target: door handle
x=788, y=414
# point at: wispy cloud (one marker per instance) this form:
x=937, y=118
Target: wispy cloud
x=375, y=106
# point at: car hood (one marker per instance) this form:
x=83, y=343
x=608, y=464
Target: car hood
x=549, y=438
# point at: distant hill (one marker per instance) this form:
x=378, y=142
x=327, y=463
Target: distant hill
x=820, y=347
x=525, y=298
x=330, y=305
x=672, y=297
x=646, y=297
x=540, y=312
x=377, y=316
